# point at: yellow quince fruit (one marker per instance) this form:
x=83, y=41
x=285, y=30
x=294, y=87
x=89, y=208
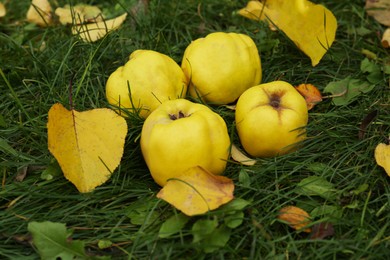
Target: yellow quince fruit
x=148, y=79
x=181, y=134
x=271, y=119
x=221, y=66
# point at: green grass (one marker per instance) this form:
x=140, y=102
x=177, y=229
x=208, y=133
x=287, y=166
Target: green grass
x=37, y=78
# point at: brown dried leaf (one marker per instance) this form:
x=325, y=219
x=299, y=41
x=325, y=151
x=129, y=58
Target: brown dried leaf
x=21, y=174
x=311, y=94
x=322, y=230
x=295, y=217
x=365, y=122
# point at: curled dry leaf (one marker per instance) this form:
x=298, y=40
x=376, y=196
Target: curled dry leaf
x=240, y=157
x=311, y=94
x=295, y=16
x=295, y=217
x=231, y=107
x=87, y=145
x=40, y=13
x=3, y=11
x=94, y=31
x=386, y=38
x=365, y=122
x=322, y=230
x=197, y=191
x=382, y=156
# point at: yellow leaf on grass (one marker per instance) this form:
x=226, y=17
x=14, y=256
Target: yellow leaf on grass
x=40, y=12
x=197, y=191
x=3, y=11
x=240, y=157
x=87, y=145
x=78, y=14
x=295, y=217
x=310, y=26
x=382, y=156
x=94, y=31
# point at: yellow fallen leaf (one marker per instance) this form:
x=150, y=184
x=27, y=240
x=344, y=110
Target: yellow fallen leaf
x=253, y=10
x=310, y=26
x=197, y=191
x=231, y=107
x=295, y=217
x=78, y=14
x=386, y=38
x=240, y=157
x=87, y=145
x=379, y=10
x=311, y=94
x=94, y=31
x=382, y=156
x=3, y=11
x=40, y=13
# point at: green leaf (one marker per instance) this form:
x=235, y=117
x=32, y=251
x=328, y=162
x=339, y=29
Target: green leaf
x=345, y=91
x=362, y=31
x=368, y=66
x=316, y=186
x=6, y=148
x=217, y=239
x=268, y=44
x=142, y=213
x=386, y=69
x=51, y=241
x=375, y=77
x=104, y=243
x=202, y=228
x=52, y=170
x=355, y=204
x=244, y=179
x=234, y=220
x=374, y=70
x=332, y=212
x=360, y=189
x=173, y=225
x=235, y=205
x=318, y=167
x=2, y=121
